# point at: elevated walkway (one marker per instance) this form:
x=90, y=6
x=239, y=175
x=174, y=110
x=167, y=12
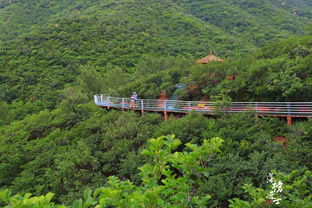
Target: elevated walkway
x=276, y=109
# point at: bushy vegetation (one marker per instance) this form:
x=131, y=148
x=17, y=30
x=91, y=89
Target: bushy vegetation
x=174, y=179
x=72, y=150
x=278, y=72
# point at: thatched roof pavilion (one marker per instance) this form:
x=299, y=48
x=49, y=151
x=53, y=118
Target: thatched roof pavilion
x=208, y=59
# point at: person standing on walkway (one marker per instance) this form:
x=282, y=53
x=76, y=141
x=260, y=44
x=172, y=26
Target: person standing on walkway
x=135, y=97
x=132, y=100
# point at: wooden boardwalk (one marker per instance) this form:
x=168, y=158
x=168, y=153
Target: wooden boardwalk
x=276, y=109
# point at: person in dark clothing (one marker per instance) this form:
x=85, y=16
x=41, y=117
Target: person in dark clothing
x=135, y=97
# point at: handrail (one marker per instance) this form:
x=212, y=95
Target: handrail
x=300, y=109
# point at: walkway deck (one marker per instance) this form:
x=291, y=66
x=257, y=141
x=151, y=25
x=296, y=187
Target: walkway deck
x=277, y=109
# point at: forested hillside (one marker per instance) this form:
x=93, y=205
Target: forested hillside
x=55, y=55
x=277, y=72
x=44, y=43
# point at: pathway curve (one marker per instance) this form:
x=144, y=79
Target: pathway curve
x=278, y=109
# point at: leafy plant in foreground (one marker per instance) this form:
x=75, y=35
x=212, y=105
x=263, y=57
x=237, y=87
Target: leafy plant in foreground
x=170, y=180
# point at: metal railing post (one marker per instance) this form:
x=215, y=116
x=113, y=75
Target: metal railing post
x=256, y=107
x=288, y=109
x=165, y=110
x=189, y=106
x=142, y=107
x=123, y=104
x=96, y=100
x=108, y=103
x=101, y=98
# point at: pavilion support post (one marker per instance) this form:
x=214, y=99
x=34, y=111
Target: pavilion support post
x=166, y=115
x=165, y=110
x=289, y=120
x=142, y=107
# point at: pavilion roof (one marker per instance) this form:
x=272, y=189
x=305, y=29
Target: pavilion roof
x=208, y=59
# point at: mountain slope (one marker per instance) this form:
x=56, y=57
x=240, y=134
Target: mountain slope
x=278, y=72
x=54, y=55
x=256, y=21
x=45, y=44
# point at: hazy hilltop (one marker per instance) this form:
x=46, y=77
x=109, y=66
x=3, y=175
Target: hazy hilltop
x=166, y=27
x=254, y=21
x=257, y=21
